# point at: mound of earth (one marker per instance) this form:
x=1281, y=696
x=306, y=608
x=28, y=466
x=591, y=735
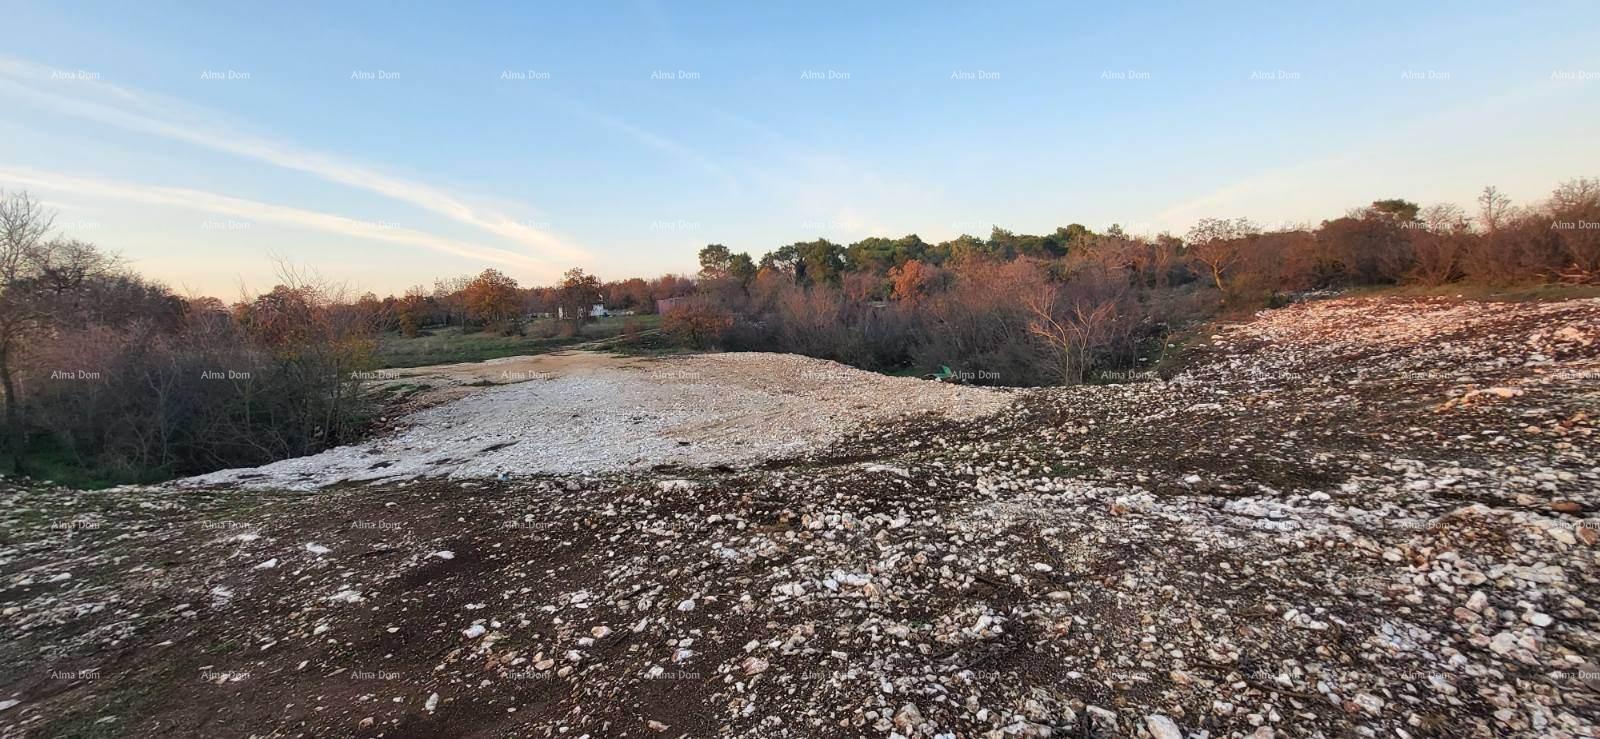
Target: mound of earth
x=611, y=414
x=1357, y=517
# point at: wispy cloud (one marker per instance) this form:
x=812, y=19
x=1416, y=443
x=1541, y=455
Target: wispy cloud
x=145, y=113
x=255, y=211
x=652, y=140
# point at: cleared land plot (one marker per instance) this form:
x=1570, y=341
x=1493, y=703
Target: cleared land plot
x=1346, y=518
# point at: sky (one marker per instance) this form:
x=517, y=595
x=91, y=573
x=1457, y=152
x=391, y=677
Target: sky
x=388, y=144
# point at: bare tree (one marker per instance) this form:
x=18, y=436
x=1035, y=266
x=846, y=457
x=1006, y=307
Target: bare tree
x=1218, y=244
x=1493, y=209
x=1575, y=209
x=38, y=276
x=1437, y=250
x=1073, y=327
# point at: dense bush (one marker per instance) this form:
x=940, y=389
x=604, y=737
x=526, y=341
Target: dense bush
x=1075, y=305
x=123, y=378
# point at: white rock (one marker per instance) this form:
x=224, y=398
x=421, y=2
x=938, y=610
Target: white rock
x=1162, y=727
x=445, y=554
x=1503, y=643
x=431, y=703
x=687, y=605
x=316, y=548
x=908, y=718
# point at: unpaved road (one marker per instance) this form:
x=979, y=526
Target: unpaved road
x=1345, y=518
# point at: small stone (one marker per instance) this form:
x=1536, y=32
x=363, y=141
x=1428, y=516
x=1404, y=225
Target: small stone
x=1162, y=727
x=908, y=718
x=1478, y=600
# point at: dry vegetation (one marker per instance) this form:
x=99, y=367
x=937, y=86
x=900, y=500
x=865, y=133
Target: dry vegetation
x=107, y=376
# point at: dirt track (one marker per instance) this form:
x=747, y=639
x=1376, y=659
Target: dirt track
x=1350, y=516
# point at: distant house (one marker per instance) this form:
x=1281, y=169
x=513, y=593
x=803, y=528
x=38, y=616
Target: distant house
x=598, y=310
x=665, y=304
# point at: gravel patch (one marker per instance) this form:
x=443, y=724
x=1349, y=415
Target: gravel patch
x=734, y=410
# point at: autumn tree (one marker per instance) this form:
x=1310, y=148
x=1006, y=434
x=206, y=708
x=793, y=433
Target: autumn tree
x=914, y=279
x=413, y=310
x=577, y=293
x=492, y=299
x=699, y=323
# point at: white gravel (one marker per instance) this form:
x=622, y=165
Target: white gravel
x=736, y=409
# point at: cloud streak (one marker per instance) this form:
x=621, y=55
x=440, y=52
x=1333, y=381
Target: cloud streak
x=256, y=211
x=17, y=79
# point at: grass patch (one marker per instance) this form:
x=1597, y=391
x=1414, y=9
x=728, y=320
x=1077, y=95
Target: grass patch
x=47, y=461
x=451, y=345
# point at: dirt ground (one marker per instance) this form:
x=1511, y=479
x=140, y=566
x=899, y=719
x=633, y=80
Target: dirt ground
x=1369, y=517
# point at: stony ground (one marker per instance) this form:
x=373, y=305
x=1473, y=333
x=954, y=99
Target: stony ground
x=1344, y=518
x=544, y=416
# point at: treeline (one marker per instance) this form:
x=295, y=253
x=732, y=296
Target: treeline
x=494, y=301
x=107, y=374
x=1072, y=305
x=101, y=369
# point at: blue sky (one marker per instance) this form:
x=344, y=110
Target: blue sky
x=389, y=144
